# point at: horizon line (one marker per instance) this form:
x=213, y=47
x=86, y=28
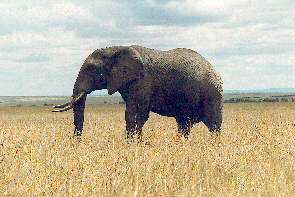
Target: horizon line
x=226, y=91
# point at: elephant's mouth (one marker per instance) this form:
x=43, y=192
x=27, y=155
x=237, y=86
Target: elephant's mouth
x=69, y=105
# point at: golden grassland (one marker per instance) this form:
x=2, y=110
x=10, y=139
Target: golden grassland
x=254, y=155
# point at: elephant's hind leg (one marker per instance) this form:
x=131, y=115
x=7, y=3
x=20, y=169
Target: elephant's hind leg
x=212, y=117
x=184, y=125
x=195, y=119
x=135, y=122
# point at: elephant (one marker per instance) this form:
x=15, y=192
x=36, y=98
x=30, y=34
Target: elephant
x=177, y=83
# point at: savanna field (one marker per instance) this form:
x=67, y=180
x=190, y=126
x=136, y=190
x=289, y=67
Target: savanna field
x=254, y=155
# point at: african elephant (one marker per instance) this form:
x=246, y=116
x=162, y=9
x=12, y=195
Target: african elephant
x=177, y=83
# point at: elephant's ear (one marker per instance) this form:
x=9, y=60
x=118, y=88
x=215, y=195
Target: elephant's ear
x=126, y=66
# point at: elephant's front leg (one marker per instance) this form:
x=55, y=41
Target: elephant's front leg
x=136, y=115
x=184, y=125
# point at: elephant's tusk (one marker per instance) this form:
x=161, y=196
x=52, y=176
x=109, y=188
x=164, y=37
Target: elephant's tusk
x=73, y=101
x=62, y=105
x=64, y=109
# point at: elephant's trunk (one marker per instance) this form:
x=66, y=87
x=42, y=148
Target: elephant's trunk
x=78, y=111
x=78, y=105
x=70, y=104
x=84, y=85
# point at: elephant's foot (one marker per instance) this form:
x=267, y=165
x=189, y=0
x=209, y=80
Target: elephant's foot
x=184, y=134
x=78, y=132
x=215, y=132
x=134, y=136
x=180, y=137
x=214, y=128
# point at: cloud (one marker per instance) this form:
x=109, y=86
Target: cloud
x=43, y=44
x=22, y=17
x=173, y=13
x=213, y=8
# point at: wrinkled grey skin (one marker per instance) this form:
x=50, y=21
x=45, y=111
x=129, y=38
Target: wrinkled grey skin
x=177, y=83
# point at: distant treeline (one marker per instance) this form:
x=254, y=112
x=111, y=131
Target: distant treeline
x=235, y=99
x=258, y=99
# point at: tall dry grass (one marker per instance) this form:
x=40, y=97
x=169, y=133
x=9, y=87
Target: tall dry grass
x=254, y=155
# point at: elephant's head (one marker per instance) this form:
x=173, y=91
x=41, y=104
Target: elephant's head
x=111, y=68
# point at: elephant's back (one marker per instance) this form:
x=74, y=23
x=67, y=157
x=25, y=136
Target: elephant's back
x=188, y=61
x=181, y=65
x=182, y=60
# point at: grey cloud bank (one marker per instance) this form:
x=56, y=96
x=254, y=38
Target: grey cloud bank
x=42, y=45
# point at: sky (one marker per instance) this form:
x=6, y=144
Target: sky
x=251, y=43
